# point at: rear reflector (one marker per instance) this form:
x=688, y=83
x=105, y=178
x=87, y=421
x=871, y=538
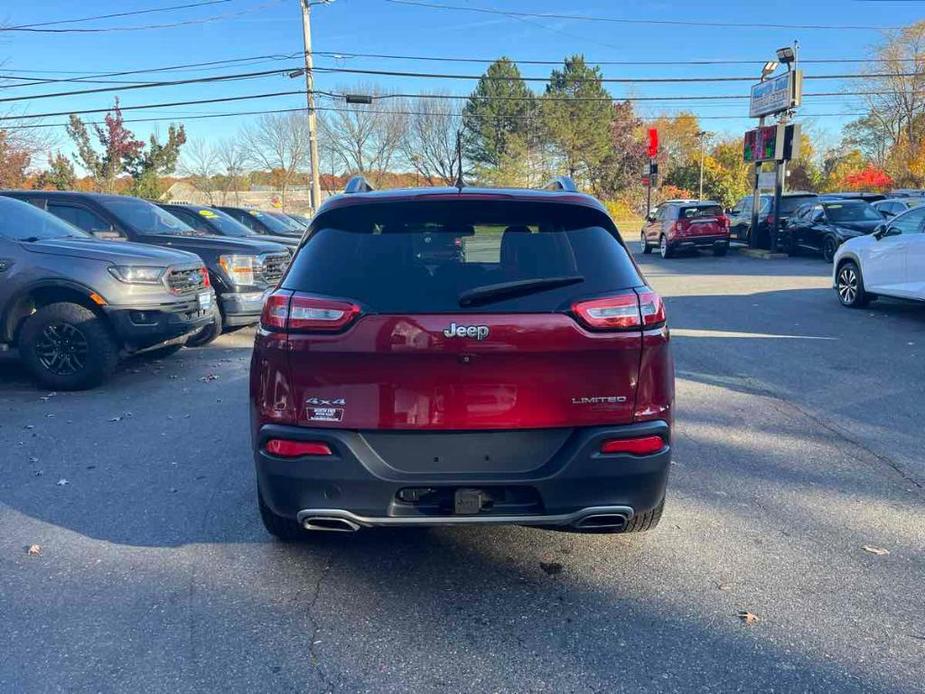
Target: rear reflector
x=296, y=449
x=645, y=445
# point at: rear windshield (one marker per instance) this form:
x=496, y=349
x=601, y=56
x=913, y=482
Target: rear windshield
x=701, y=212
x=424, y=257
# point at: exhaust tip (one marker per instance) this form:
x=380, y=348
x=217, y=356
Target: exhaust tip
x=330, y=524
x=602, y=521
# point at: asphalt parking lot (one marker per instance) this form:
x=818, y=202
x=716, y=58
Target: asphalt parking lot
x=798, y=444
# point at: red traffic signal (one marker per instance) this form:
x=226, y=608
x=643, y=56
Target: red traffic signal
x=652, y=147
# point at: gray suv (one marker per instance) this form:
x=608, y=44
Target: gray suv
x=72, y=305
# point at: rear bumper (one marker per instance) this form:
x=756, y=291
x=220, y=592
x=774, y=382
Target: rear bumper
x=700, y=241
x=242, y=308
x=356, y=484
x=139, y=327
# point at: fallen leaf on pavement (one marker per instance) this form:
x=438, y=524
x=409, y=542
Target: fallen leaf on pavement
x=725, y=586
x=34, y=550
x=879, y=551
x=748, y=617
x=61, y=482
x=116, y=419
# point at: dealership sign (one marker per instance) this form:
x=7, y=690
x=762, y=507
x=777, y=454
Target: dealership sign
x=772, y=143
x=775, y=95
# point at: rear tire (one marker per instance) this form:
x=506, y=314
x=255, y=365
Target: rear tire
x=644, y=244
x=829, y=247
x=283, y=529
x=642, y=522
x=664, y=248
x=68, y=347
x=210, y=333
x=849, y=286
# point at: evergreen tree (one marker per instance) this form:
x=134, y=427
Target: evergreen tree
x=497, y=115
x=577, y=116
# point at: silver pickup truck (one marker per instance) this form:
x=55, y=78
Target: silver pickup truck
x=72, y=305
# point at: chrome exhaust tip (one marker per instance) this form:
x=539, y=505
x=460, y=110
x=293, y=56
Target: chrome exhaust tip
x=330, y=524
x=608, y=521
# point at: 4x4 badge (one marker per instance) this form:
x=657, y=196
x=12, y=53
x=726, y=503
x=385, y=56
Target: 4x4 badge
x=479, y=332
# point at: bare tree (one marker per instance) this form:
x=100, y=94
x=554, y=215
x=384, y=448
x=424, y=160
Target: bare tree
x=366, y=139
x=232, y=160
x=279, y=144
x=200, y=165
x=429, y=144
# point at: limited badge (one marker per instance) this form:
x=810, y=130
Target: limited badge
x=325, y=409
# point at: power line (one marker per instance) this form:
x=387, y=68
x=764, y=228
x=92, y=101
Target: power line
x=701, y=61
x=348, y=110
x=431, y=75
x=216, y=100
x=146, y=27
x=114, y=15
x=613, y=20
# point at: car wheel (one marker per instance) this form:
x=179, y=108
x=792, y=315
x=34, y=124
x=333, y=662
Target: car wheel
x=720, y=251
x=829, y=246
x=68, y=347
x=644, y=244
x=208, y=334
x=642, y=522
x=281, y=528
x=849, y=284
x=163, y=352
x=664, y=248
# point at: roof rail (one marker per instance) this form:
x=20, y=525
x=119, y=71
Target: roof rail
x=358, y=184
x=563, y=183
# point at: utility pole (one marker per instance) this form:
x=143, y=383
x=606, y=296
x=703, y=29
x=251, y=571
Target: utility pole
x=702, y=134
x=310, y=98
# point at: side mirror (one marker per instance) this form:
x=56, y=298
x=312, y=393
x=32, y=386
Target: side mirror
x=885, y=230
x=650, y=217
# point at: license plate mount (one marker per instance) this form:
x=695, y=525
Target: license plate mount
x=468, y=502
x=205, y=301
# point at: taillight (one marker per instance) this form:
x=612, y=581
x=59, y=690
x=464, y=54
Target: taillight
x=314, y=313
x=723, y=221
x=643, y=445
x=275, y=310
x=619, y=312
x=681, y=226
x=286, y=310
x=206, y=280
x=640, y=309
x=296, y=449
x=651, y=307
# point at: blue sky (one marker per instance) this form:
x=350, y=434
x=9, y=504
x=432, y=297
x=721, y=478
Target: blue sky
x=377, y=26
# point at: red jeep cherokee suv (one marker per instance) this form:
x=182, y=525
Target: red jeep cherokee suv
x=448, y=356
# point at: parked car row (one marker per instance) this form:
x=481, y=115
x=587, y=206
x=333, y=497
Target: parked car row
x=88, y=278
x=678, y=225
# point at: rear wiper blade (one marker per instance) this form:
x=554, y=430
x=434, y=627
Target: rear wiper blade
x=504, y=290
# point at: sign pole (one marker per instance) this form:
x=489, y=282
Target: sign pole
x=756, y=195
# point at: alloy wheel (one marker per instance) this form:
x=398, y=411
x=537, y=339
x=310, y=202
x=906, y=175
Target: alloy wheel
x=663, y=247
x=847, y=285
x=62, y=349
x=828, y=250
x=643, y=244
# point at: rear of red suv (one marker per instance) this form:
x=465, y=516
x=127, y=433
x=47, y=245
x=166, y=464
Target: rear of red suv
x=523, y=378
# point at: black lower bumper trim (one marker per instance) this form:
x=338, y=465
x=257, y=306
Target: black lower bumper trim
x=143, y=326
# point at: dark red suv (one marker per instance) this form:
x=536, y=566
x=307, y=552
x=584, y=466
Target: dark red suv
x=444, y=356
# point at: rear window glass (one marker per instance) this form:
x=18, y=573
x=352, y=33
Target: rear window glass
x=852, y=212
x=701, y=212
x=422, y=257
x=789, y=204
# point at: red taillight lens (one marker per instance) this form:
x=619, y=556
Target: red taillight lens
x=644, y=445
x=276, y=310
x=643, y=308
x=619, y=312
x=296, y=449
x=206, y=281
x=723, y=221
x=285, y=310
x=651, y=307
x=681, y=226
x=313, y=313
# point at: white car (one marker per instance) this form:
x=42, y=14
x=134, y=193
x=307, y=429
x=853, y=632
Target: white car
x=888, y=262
